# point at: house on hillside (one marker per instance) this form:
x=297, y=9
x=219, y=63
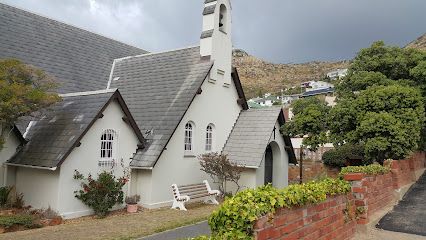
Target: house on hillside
x=337, y=74
x=152, y=112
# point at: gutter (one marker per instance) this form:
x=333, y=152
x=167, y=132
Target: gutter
x=142, y=168
x=29, y=166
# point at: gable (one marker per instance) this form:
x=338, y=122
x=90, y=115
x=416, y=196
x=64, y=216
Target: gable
x=158, y=89
x=251, y=135
x=60, y=128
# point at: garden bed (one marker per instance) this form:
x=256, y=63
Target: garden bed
x=118, y=224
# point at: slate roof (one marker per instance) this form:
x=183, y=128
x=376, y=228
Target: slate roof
x=79, y=59
x=58, y=130
x=158, y=89
x=209, y=9
x=251, y=135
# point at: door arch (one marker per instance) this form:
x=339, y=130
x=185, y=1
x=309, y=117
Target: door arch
x=269, y=165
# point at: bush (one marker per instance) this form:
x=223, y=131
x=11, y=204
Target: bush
x=100, y=194
x=221, y=170
x=23, y=220
x=340, y=156
x=236, y=216
x=373, y=169
x=4, y=195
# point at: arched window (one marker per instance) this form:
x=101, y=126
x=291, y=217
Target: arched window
x=189, y=133
x=108, y=148
x=209, y=138
x=223, y=18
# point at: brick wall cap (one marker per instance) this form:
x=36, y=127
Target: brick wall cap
x=353, y=176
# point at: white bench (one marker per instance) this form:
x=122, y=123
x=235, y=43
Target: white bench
x=199, y=191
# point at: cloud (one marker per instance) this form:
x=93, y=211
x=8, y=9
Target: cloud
x=276, y=30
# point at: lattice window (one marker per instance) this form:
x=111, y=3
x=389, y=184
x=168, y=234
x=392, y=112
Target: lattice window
x=189, y=131
x=109, y=144
x=209, y=138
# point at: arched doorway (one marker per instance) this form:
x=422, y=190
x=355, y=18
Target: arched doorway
x=269, y=165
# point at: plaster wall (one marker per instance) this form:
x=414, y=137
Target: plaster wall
x=85, y=159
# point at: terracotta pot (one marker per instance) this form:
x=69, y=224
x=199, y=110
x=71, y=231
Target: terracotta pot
x=55, y=221
x=132, y=208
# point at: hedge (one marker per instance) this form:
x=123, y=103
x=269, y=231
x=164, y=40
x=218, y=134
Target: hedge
x=373, y=169
x=235, y=218
x=338, y=157
x=23, y=220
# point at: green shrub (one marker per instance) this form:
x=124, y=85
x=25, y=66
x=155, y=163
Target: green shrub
x=373, y=169
x=25, y=220
x=4, y=195
x=340, y=156
x=235, y=218
x=100, y=194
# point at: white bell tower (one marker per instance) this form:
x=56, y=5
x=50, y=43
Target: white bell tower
x=216, y=39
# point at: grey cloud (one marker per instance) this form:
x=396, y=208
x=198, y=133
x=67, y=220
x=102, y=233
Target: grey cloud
x=276, y=30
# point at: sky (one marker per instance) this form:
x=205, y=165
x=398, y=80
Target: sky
x=279, y=31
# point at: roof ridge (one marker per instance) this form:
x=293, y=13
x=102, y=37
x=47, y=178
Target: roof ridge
x=41, y=15
x=75, y=94
x=156, y=53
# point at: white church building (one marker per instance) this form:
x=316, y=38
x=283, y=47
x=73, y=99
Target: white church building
x=155, y=112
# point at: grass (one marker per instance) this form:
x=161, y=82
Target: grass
x=120, y=227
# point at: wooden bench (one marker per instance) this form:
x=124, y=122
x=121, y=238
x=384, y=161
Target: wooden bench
x=199, y=191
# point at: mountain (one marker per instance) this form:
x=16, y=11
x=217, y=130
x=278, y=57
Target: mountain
x=419, y=43
x=259, y=76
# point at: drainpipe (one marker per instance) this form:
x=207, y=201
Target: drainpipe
x=301, y=164
x=4, y=175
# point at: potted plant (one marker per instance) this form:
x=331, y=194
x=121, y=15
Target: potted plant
x=132, y=203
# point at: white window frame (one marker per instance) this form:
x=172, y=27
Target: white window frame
x=189, y=138
x=209, y=147
x=109, y=148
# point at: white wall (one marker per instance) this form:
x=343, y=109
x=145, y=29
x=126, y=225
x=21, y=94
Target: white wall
x=85, y=159
x=9, y=148
x=40, y=187
x=216, y=104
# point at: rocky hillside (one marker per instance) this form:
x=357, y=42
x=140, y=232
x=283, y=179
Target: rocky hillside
x=419, y=43
x=258, y=76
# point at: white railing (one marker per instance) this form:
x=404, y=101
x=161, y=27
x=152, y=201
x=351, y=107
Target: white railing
x=107, y=163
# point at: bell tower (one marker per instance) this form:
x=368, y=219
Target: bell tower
x=216, y=39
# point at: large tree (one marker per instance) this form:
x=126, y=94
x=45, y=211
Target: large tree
x=24, y=89
x=380, y=104
x=386, y=119
x=309, y=121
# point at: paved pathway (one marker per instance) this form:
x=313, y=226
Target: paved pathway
x=409, y=216
x=182, y=232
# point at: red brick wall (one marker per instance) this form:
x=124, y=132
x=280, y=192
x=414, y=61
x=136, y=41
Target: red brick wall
x=332, y=219
x=370, y=193
x=404, y=171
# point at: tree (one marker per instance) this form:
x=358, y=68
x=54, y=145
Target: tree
x=221, y=170
x=380, y=105
x=310, y=121
x=386, y=119
x=393, y=62
x=24, y=90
